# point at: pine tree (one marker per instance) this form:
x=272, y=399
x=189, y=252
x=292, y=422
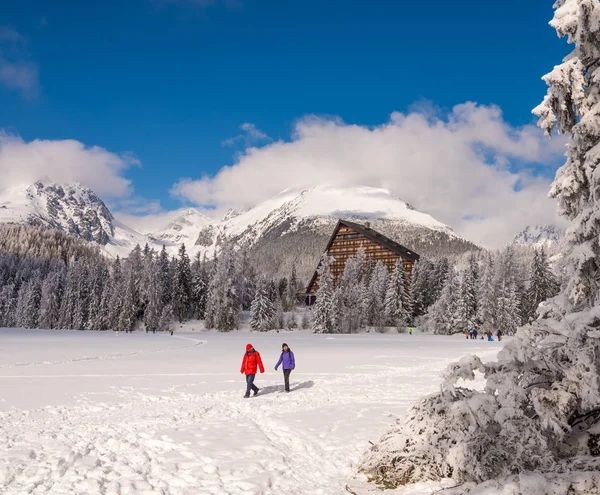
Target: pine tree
x=28, y=303
x=377, y=291
x=52, y=289
x=99, y=276
x=419, y=287
x=407, y=296
x=199, y=288
x=154, y=307
x=543, y=284
x=182, y=286
x=69, y=301
x=224, y=308
x=166, y=318
x=443, y=316
x=165, y=281
x=324, y=312
x=82, y=295
x=128, y=314
x=116, y=295
x=351, y=314
x=486, y=309
x=467, y=303
x=262, y=310
x=395, y=311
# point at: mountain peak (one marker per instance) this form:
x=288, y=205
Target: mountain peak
x=539, y=236
x=72, y=208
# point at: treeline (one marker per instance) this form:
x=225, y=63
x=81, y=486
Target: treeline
x=487, y=290
x=39, y=288
x=49, y=279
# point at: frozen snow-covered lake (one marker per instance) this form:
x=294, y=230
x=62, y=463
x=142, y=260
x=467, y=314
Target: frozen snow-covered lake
x=93, y=412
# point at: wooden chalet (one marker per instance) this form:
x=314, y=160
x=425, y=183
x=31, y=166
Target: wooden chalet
x=347, y=239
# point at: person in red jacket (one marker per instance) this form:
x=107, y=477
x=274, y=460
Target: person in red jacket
x=250, y=363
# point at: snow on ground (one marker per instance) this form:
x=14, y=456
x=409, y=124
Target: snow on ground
x=101, y=413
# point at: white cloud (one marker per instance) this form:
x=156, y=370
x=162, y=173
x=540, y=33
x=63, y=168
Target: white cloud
x=64, y=161
x=250, y=135
x=470, y=169
x=147, y=223
x=17, y=71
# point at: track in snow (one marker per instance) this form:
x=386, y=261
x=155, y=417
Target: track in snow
x=178, y=440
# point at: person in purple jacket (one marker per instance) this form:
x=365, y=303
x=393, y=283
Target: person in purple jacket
x=287, y=362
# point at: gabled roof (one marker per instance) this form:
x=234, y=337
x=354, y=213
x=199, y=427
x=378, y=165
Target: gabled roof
x=375, y=237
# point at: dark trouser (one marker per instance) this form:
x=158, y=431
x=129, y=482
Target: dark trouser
x=250, y=384
x=286, y=378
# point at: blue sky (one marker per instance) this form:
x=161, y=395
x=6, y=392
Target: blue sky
x=172, y=80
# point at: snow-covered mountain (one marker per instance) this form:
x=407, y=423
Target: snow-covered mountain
x=72, y=208
x=290, y=228
x=546, y=236
x=324, y=206
x=183, y=229
x=293, y=227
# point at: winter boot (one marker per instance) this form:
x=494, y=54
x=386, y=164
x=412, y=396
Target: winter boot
x=255, y=392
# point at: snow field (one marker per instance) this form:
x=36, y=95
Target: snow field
x=97, y=413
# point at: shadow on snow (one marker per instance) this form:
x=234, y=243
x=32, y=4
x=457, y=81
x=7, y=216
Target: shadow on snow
x=271, y=389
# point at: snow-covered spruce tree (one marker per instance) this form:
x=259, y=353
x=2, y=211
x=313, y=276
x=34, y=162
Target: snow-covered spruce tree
x=543, y=284
x=69, y=300
x=486, y=309
x=351, y=314
x=395, y=311
x=540, y=409
x=509, y=292
x=468, y=295
x=407, y=297
x=154, y=308
x=262, y=310
x=116, y=294
x=444, y=315
x=165, y=281
x=52, y=289
x=127, y=316
x=166, y=318
x=199, y=287
x=82, y=297
x=224, y=309
x=377, y=291
x=182, y=286
x=323, y=320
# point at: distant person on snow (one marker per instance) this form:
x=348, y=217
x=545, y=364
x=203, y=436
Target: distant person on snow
x=410, y=331
x=499, y=335
x=171, y=331
x=288, y=363
x=250, y=363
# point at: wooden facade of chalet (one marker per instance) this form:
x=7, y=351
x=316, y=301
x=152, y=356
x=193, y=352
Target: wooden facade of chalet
x=347, y=239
